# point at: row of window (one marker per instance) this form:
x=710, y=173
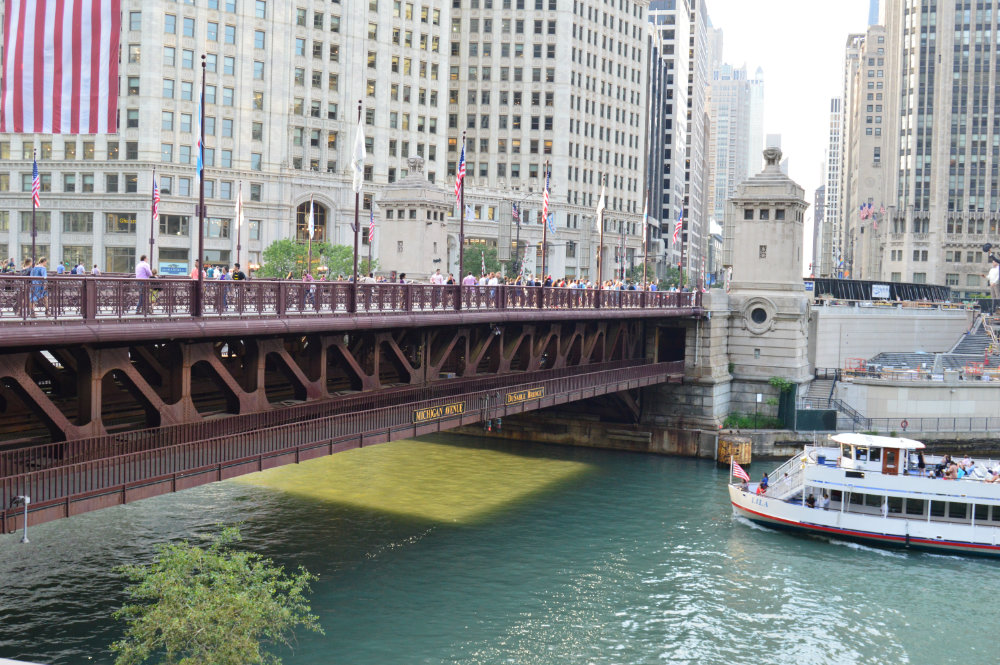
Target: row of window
x=128, y=183
x=121, y=222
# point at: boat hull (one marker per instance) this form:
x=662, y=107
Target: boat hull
x=873, y=530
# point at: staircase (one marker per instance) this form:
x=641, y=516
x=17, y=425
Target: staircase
x=819, y=393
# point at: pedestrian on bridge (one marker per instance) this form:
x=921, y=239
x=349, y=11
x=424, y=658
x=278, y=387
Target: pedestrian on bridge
x=143, y=272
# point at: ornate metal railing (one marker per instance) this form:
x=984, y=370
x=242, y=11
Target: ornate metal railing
x=119, y=299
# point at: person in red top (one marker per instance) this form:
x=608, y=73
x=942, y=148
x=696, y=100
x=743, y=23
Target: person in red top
x=194, y=271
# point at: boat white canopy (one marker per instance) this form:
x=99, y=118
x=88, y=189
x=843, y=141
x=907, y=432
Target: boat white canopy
x=873, y=441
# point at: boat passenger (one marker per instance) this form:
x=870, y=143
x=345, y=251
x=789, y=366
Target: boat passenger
x=744, y=486
x=763, y=481
x=761, y=488
x=921, y=463
x=810, y=501
x=824, y=501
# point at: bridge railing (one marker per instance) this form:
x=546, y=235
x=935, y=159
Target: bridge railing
x=79, y=298
x=16, y=460
x=52, y=486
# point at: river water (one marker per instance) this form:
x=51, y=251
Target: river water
x=467, y=551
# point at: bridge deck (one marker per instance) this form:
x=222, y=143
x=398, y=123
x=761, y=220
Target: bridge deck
x=69, y=478
x=99, y=308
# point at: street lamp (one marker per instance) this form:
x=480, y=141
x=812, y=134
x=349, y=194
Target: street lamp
x=25, y=500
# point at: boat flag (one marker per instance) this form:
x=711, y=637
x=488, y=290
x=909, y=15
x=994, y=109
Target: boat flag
x=739, y=472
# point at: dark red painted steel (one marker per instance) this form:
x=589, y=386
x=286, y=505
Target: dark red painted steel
x=58, y=489
x=33, y=458
x=116, y=299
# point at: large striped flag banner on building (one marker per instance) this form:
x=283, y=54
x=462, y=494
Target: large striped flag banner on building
x=60, y=66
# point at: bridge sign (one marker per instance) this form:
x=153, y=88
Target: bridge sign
x=526, y=395
x=430, y=413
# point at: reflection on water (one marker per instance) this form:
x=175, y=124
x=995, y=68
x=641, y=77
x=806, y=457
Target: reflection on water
x=467, y=483
x=458, y=550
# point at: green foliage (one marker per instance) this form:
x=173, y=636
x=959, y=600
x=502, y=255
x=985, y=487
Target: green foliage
x=894, y=434
x=284, y=256
x=473, y=259
x=211, y=606
x=783, y=385
x=737, y=420
x=771, y=401
x=871, y=432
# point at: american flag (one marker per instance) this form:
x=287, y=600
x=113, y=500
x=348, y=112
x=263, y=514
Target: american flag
x=679, y=225
x=545, y=197
x=371, y=224
x=739, y=472
x=156, y=201
x=460, y=177
x=60, y=67
x=482, y=254
x=515, y=215
x=36, y=185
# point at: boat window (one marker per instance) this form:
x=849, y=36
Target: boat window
x=958, y=511
x=896, y=504
x=982, y=513
x=837, y=495
x=937, y=508
x=915, y=507
x=995, y=515
x=846, y=452
x=875, y=454
x=873, y=500
x=857, y=499
x=861, y=454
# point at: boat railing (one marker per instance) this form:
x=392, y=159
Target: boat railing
x=786, y=479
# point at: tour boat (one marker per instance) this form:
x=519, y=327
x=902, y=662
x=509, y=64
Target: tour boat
x=879, y=493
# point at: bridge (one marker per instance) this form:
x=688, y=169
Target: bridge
x=113, y=389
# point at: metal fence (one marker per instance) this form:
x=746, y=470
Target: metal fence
x=122, y=299
x=180, y=465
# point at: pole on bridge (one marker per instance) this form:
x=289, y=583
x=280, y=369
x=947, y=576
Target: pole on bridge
x=460, y=175
x=357, y=203
x=199, y=292
x=34, y=230
x=645, y=239
x=152, y=217
x=545, y=225
x=600, y=243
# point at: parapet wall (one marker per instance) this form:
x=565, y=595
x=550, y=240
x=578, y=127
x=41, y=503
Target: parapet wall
x=841, y=332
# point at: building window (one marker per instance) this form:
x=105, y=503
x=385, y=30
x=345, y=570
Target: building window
x=78, y=222
x=174, y=225
x=255, y=191
x=111, y=183
x=119, y=222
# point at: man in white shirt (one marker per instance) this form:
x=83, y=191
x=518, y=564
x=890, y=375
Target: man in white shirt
x=493, y=281
x=993, y=279
x=437, y=277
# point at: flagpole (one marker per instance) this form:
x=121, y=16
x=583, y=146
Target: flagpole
x=371, y=236
x=461, y=234
x=239, y=223
x=34, y=231
x=357, y=203
x=545, y=224
x=199, y=290
x=645, y=240
x=309, y=239
x=600, y=243
x=152, y=216
x=680, y=276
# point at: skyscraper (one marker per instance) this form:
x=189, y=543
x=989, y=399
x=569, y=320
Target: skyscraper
x=736, y=116
x=830, y=250
x=946, y=153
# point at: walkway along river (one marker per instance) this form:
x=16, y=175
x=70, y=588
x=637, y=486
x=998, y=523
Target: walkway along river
x=466, y=551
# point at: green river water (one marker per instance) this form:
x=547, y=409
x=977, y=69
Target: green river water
x=467, y=551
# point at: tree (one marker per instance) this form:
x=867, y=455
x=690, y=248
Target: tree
x=474, y=257
x=284, y=256
x=215, y=606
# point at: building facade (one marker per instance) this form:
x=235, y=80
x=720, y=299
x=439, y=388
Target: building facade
x=946, y=152
x=528, y=82
x=736, y=116
x=829, y=251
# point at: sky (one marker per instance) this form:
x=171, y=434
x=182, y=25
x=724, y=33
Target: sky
x=800, y=46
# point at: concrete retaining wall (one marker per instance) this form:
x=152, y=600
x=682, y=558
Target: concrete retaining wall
x=926, y=399
x=840, y=332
